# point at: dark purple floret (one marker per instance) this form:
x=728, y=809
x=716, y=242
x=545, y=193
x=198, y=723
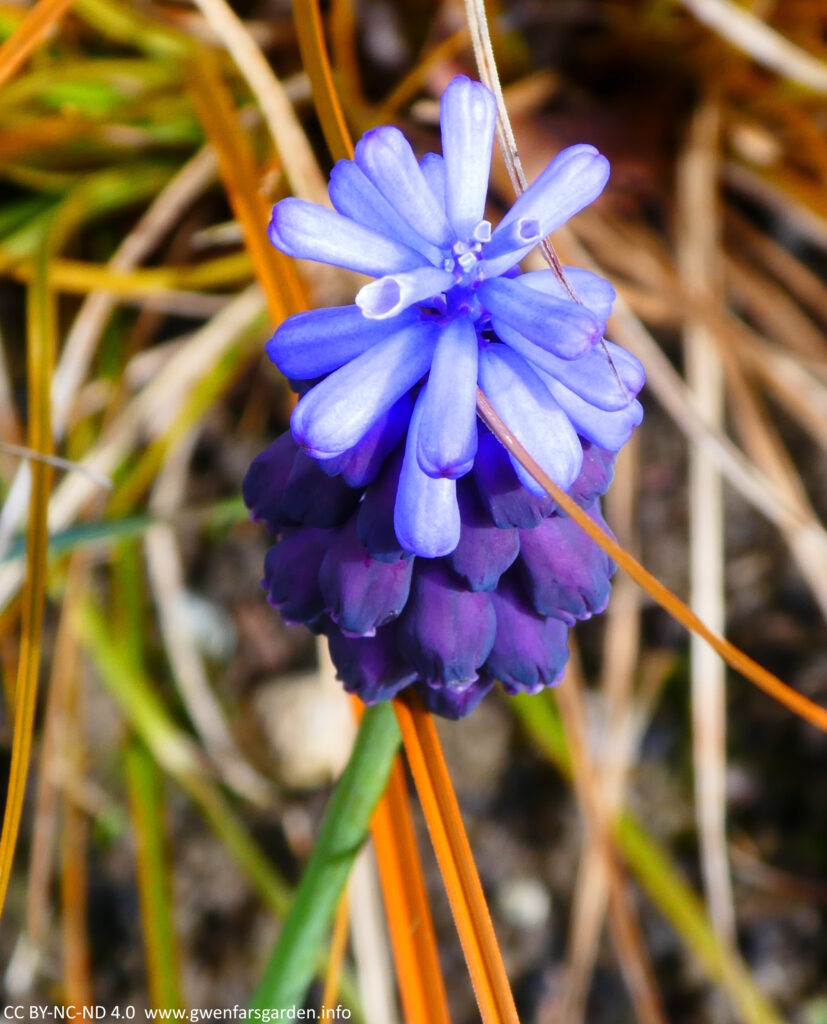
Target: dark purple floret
x=370, y=666
x=266, y=479
x=530, y=651
x=361, y=593
x=291, y=574
x=563, y=572
x=445, y=632
x=313, y=498
x=484, y=551
x=454, y=702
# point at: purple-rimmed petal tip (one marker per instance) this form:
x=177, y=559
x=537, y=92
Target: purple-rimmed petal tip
x=312, y=344
x=386, y=157
x=337, y=413
x=468, y=114
x=445, y=632
x=609, y=430
x=575, y=178
x=524, y=402
x=454, y=702
x=563, y=327
x=606, y=376
x=562, y=571
x=426, y=513
x=389, y=296
x=370, y=666
x=447, y=439
x=312, y=232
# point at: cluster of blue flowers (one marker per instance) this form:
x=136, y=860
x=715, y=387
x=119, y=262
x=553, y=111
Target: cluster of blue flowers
x=406, y=533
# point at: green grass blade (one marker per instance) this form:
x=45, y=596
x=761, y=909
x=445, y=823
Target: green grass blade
x=295, y=958
x=145, y=787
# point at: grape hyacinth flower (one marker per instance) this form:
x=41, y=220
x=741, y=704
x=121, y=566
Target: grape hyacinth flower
x=407, y=534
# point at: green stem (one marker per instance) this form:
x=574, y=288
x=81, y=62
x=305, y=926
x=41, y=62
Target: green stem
x=295, y=959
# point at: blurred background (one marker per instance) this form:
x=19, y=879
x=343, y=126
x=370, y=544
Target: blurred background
x=185, y=740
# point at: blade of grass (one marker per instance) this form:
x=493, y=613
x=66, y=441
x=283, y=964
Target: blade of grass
x=654, y=870
x=275, y=272
x=630, y=948
x=295, y=958
x=456, y=862
x=406, y=901
x=338, y=948
x=145, y=789
x=699, y=261
x=74, y=871
x=41, y=340
x=737, y=659
x=421, y=985
x=29, y=33
x=310, y=32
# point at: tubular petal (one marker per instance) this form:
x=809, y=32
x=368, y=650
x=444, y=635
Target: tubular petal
x=361, y=464
x=389, y=296
x=454, y=702
x=591, y=376
x=530, y=651
x=445, y=632
x=337, y=413
x=536, y=420
x=360, y=592
x=426, y=513
x=312, y=344
x=370, y=666
x=563, y=327
x=263, y=487
x=354, y=195
x=575, y=178
x=291, y=574
x=484, y=551
x=609, y=430
x=467, y=117
x=386, y=157
x=433, y=170
x=594, y=292
x=312, y=232
x=563, y=572
x=507, y=501
x=448, y=429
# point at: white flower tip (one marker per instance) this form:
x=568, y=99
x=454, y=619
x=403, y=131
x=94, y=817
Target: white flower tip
x=528, y=230
x=380, y=299
x=482, y=232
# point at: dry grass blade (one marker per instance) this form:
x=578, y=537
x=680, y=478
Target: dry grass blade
x=456, y=862
x=338, y=947
x=625, y=928
x=369, y=938
x=754, y=37
x=751, y=670
x=236, y=163
x=41, y=316
x=699, y=259
x=28, y=34
x=296, y=155
x=406, y=905
x=310, y=31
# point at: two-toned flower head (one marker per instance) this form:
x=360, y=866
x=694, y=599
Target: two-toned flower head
x=450, y=311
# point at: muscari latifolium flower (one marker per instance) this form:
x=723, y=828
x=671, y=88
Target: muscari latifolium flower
x=406, y=533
